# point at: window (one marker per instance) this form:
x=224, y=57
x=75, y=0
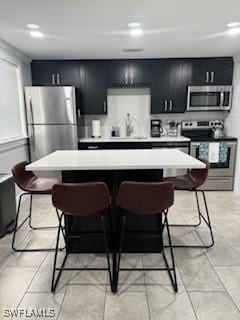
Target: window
x=11, y=119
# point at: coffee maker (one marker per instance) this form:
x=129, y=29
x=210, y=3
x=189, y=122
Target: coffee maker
x=156, y=128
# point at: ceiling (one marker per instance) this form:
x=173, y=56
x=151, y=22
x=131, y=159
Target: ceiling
x=91, y=29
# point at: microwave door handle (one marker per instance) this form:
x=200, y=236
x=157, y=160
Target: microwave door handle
x=221, y=98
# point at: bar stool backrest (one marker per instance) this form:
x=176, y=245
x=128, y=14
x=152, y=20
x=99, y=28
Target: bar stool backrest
x=82, y=198
x=145, y=197
x=21, y=176
x=199, y=176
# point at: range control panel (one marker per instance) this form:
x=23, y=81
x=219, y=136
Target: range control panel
x=194, y=124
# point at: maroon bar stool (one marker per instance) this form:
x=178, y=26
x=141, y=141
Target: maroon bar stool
x=192, y=181
x=31, y=185
x=79, y=200
x=146, y=198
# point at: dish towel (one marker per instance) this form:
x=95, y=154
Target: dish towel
x=214, y=152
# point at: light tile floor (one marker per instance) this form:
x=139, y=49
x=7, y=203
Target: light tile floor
x=209, y=280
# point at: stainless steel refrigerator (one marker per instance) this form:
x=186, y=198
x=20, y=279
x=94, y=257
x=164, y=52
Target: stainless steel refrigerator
x=51, y=119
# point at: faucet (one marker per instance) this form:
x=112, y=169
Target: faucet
x=129, y=127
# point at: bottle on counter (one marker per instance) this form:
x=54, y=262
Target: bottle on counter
x=113, y=132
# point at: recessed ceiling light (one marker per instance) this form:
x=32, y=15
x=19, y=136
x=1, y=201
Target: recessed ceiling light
x=234, y=31
x=134, y=24
x=37, y=34
x=233, y=24
x=136, y=32
x=32, y=26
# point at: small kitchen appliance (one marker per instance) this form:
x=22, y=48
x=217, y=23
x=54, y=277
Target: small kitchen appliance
x=209, y=98
x=156, y=128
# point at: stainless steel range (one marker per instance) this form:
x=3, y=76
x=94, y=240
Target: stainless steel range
x=221, y=152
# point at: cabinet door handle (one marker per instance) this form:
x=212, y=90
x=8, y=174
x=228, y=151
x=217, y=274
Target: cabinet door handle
x=92, y=147
x=58, y=79
x=126, y=77
x=165, y=105
x=170, y=105
x=105, y=107
x=207, y=77
x=53, y=79
x=212, y=77
x=132, y=78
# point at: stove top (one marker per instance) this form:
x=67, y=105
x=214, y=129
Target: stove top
x=203, y=130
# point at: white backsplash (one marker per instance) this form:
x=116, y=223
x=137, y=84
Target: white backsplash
x=121, y=101
x=137, y=101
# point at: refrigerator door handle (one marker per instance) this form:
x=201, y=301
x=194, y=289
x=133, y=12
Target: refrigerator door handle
x=32, y=136
x=30, y=109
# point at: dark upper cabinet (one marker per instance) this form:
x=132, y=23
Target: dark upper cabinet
x=212, y=71
x=43, y=72
x=159, y=86
x=139, y=73
x=56, y=73
x=128, y=73
x=94, y=87
x=118, y=73
x=169, y=81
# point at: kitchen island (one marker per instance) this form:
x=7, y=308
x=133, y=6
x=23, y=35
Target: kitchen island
x=113, y=167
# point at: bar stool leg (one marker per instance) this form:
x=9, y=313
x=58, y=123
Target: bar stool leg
x=54, y=283
x=106, y=249
x=173, y=277
x=16, y=223
x=207, y=221
x=199, y=211
x=30, y=218
x=119, y=254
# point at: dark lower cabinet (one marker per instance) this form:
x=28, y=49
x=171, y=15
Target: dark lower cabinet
x=114, y=145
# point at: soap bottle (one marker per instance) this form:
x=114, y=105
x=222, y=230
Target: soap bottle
x=113, y=132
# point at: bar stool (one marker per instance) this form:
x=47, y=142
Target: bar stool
x=31, y=185
x=191, y=181
x=146, y=198
x=79, y=200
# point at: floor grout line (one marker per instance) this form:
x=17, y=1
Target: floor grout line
x=147, y=298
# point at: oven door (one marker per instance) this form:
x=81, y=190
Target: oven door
x=209, y=98
x=218, y=169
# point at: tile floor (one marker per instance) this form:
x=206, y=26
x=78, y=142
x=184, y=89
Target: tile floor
x=209, y=280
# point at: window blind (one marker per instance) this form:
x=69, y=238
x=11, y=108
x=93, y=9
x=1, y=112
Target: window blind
x=10, y=112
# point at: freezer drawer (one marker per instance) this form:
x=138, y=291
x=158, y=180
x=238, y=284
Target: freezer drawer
x=44, y=139
x=50, y=105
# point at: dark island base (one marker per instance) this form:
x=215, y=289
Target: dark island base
x=94, y=243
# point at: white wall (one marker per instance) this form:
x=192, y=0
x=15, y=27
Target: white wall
x=232, y=123
x=14, y=151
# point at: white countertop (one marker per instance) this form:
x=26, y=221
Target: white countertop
x=147, y=139
x=63, y=160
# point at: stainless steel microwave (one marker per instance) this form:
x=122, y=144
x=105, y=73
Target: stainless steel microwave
x=209, y=98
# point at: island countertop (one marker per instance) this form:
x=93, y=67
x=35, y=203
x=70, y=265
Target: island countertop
x=134, y=159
